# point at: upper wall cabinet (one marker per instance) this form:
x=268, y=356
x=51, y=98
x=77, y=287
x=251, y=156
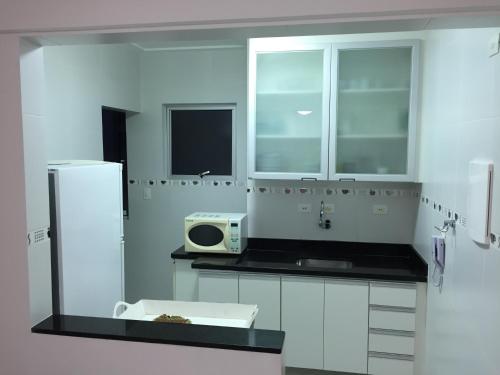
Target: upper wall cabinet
x=289, y=105
x=332, y=111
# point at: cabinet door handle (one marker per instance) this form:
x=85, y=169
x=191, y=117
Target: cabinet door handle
x=309, y=179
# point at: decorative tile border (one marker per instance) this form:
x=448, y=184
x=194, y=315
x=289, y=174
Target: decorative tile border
x=445, y=212
x=333, y=191
x=160, y=182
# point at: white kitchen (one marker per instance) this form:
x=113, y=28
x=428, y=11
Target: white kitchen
x=330, y=186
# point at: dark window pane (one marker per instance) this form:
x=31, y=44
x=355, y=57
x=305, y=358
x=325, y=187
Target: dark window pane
x=206, y=235
x=201, y=140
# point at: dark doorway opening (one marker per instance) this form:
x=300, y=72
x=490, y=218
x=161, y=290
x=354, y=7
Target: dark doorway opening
x=114, y=143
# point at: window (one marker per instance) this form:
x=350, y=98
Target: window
x=200, y=140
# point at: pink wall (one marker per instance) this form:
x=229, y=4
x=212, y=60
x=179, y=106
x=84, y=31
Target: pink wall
x=51, y=14
x=24, y=353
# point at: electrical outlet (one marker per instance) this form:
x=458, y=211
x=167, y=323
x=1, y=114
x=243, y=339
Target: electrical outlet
x=147, y=193
x=380, y=209
x=329, y=208
x=304, y=208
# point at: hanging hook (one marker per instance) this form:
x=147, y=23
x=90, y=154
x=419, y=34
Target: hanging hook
x=446, y=226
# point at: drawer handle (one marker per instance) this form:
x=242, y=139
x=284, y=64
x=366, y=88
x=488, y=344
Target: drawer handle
x=410, y=286
x=399, y=357
x=392, y=332
x=393, y=308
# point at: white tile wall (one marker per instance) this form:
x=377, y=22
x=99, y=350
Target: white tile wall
x=79, y=81
x=156, y=226
x=275, y=215
x=35, y=174
x=460, y=121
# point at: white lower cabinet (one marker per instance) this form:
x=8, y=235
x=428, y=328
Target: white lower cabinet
x=346, y=326
x=302, y=314
x=264, y=291
x=218, y=286
x=393, y=294
x=393, y=323
x=185, y=281
x=390, y=318
x=392, y=342
x=390, y=365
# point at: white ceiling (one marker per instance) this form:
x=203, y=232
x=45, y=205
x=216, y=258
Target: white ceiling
x=237, y=36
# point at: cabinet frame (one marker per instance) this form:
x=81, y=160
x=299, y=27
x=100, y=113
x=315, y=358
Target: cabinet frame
x=409, y=176
x=256, y=46
x=329, y=120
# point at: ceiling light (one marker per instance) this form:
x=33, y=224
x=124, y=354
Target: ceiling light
x=304, y=113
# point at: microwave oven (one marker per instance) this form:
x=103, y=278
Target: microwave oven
x=210, y=232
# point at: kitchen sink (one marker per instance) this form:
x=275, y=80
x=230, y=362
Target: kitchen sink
x=324, y=263
x=283, y=259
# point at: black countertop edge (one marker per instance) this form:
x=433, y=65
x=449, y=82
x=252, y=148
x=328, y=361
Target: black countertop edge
x=372, y=261
x=314, y=246
x=367, y=274
x=180, y=253
x=252, y=340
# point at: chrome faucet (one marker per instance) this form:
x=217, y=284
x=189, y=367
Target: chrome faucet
x=325, y=224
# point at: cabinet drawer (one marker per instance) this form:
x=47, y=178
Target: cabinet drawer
x=392, y=294
x=389, y=366
x=390, y=319
x=391, y=343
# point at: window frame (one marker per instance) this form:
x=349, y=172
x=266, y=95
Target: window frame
x=167, y=149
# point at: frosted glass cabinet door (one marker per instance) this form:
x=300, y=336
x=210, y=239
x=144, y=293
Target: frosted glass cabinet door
x=289, y=112
x=373, y=94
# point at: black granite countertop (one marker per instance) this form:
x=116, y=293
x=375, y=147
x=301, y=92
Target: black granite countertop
x=254, y=340
x=374, y=261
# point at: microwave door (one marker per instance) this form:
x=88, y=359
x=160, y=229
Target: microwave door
x=208, y=237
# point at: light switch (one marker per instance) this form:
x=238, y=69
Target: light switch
x=380, y=209
x=147, y=193
x=304, y=208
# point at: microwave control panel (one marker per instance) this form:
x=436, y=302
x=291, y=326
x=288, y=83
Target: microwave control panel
x=234, y=240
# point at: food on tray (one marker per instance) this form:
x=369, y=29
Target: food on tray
x=164, y=318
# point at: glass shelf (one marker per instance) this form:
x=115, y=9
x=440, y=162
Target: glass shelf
x=394, y=90
x=373, y=136
x=290, y=92
x=287, y=136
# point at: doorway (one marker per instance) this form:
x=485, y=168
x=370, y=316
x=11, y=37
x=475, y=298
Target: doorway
x=114, y=144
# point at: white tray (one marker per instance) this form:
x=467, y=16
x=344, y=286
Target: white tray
x=205, y=313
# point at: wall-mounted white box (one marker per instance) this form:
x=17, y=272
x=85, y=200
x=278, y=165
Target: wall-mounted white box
x=479, y=200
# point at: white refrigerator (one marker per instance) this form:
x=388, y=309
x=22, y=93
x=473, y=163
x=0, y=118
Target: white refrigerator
x=86, y=220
